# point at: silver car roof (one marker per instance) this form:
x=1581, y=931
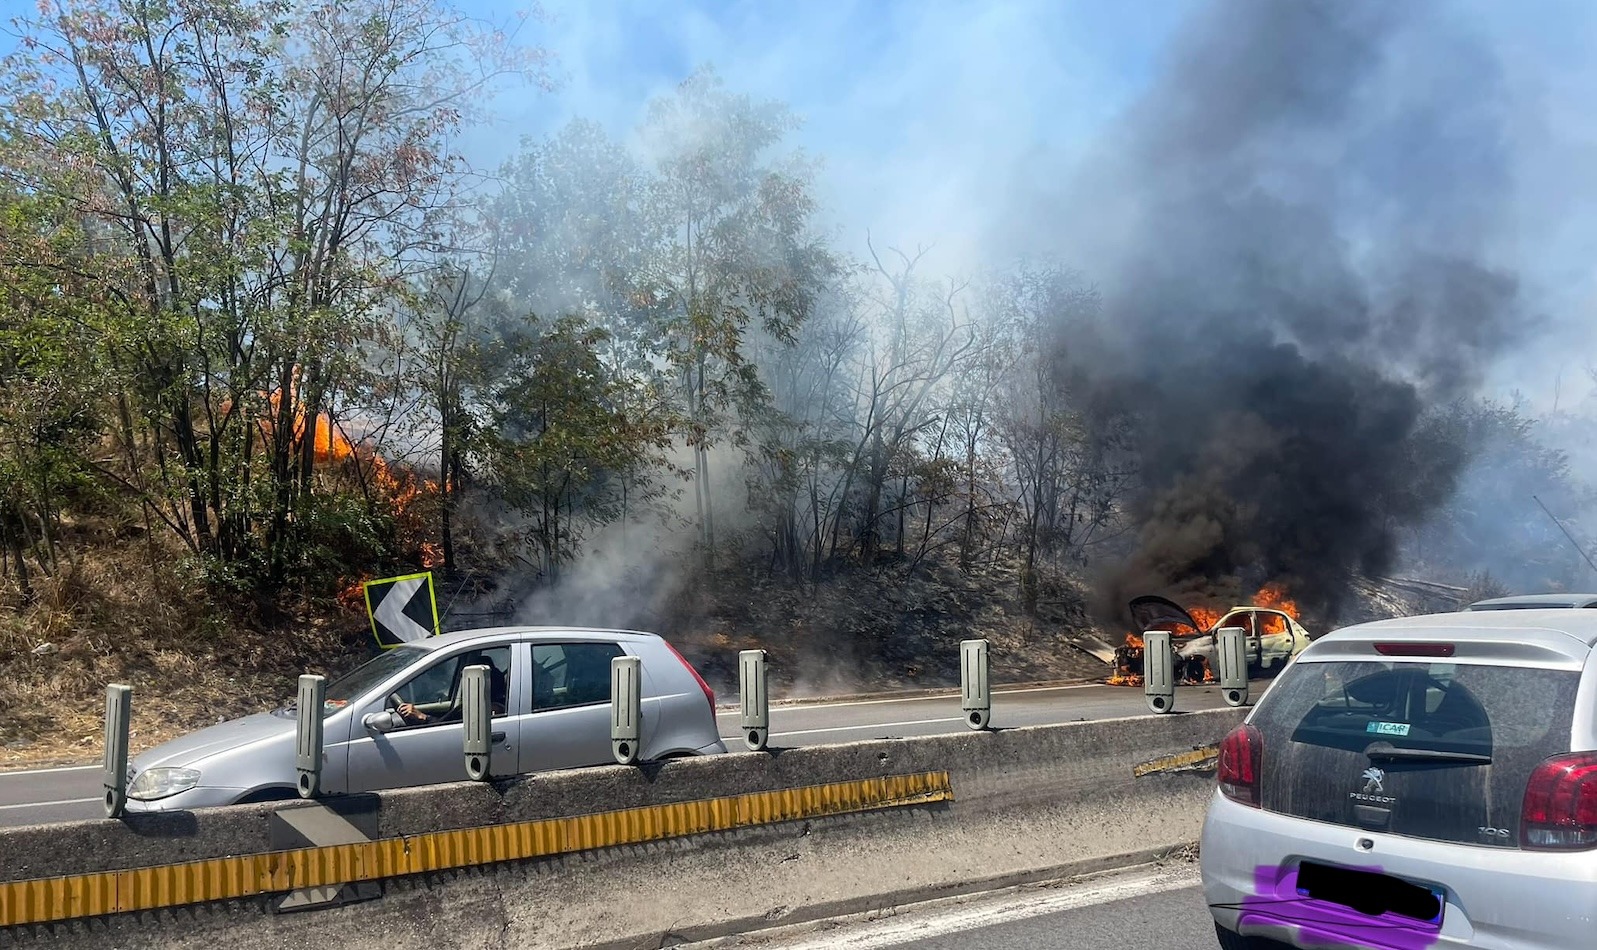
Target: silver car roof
x=1553, y=636
x=458, y=637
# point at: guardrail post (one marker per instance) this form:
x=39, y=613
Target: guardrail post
x=1158, y=671
x=975, y=698
x=754, y=698
x=626, y=698
x=310, y=705
x=1232, y=658
x=118, y=713
x=477, y=714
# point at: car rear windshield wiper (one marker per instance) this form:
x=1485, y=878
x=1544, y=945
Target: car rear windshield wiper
x=1386, y=752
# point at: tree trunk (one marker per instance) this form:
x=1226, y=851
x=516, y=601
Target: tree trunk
x=282, y=470
x=446, y=499
x=704, y=471
x=188, y=450
x=873, y=502
x=313, y=414
x=819, y=538
x=13, y=543
x=903, y=504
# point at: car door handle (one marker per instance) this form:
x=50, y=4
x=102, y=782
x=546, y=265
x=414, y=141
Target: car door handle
x=496, y=737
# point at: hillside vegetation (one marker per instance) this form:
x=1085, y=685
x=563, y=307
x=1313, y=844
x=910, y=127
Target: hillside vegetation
x=264, y=335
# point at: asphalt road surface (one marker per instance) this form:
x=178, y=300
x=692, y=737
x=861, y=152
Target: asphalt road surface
x=1160, y=908
x=38, y=796
x=852, y=721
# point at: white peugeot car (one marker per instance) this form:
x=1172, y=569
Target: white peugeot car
x=1421, y=782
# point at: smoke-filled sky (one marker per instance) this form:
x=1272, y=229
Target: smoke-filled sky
x=965, y=125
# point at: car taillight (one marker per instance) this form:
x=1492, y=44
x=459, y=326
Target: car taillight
x=1241, y=753
x=1560, y=808
x=709, y=693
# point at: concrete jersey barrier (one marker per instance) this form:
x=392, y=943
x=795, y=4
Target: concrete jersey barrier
x=1026, y=803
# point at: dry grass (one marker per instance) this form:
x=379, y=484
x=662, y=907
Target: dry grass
x=128, y=612
x=872, y=631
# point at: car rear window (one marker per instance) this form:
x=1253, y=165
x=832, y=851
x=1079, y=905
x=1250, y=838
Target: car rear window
x=1425, y=749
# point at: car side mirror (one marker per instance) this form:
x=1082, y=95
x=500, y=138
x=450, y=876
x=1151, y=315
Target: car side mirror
x=385, y=721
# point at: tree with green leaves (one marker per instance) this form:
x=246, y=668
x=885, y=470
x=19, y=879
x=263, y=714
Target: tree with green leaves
x=731, y=248
x=50, y=416
x=256, y=181
x=569, y=444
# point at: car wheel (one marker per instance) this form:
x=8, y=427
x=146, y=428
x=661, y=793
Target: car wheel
x=1231, y=940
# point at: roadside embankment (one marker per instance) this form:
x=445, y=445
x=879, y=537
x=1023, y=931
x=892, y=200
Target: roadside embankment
x=701, y=847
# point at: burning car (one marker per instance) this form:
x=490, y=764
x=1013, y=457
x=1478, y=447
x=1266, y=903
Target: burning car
x=1272, y=635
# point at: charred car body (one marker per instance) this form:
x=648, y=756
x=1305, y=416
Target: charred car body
x=1273, y=637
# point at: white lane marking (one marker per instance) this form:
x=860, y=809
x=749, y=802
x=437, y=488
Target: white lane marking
x=916, y=699
x=910, y=924
x=68, y=801
x=69, y=768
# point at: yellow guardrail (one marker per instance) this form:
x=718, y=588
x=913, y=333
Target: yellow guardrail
x=1195, y=760
x=45, y=900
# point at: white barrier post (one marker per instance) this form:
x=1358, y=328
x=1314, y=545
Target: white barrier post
x=975, y=698
x=308, y=734
x=626, y=696
x=477, y=715
x=755, y=700
x=1158, y=671
x=118, y=712
x=1231, y=654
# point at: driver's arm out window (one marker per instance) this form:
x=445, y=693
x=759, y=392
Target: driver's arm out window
x=436, y=690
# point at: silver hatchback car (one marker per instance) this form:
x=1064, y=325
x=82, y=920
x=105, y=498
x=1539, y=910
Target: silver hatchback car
x=1421, y=782
x=395, y=721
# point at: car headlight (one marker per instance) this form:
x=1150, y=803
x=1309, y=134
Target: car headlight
x=162, y=783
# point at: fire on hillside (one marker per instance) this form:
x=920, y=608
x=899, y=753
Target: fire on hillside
x=388, y=483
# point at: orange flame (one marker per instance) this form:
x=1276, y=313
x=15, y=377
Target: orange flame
x=353, y=596
x=1205, y=617
x=1269, y=597
x=401, y=486
x=1274, y=597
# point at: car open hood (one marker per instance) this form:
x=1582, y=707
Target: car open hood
x=1157, y=613
x=188, y=751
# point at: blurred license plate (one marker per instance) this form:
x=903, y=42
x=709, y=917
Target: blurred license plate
x=1369, y=892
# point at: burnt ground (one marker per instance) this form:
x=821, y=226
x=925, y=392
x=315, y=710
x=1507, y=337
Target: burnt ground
x=882, y=630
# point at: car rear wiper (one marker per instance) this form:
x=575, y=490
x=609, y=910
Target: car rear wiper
x=1387, y=752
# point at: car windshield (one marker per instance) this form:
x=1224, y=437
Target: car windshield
x=354, y=684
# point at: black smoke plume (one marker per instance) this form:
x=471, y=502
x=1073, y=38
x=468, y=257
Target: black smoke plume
x=1295, y=229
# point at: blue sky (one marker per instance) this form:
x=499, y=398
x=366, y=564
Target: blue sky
x=916, y=109
x=931, y=117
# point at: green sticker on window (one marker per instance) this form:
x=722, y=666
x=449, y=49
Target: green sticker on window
x=1388, y=728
